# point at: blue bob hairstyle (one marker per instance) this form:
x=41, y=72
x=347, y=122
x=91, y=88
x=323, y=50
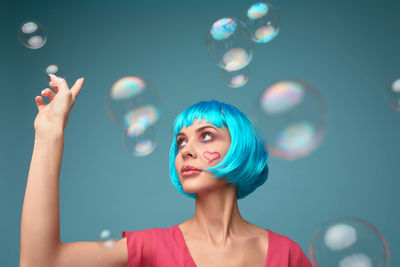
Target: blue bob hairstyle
x=245, y=164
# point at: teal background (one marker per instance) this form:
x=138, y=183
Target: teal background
x=349, y=50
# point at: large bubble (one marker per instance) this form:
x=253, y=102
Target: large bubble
x=142, y=144
x=32, y=34
x=236, y=79
x=132, y=101
x=139, y=119
x=291, y=115
x=349, y=242
x=393, y=94
x=229, y=44
x=263, y=22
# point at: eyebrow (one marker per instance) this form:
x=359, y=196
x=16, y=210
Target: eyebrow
x=199, y=130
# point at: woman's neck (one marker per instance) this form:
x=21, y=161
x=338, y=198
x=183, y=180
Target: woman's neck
x=217, y=216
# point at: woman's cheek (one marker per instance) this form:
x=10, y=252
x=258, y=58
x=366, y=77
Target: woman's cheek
x=211, y=156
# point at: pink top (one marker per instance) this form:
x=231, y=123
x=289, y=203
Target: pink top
x=167, y=247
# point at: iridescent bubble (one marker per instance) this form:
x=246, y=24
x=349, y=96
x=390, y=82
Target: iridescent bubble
x=257, y=11
x=223, y=28
x=340, y=236
x=127, y=87
x=349, y=242
x=235, y=59
x=282, y=96
x=291, y=115
x=356, y=260
x=32, y=34
x=296, y=137
x=53, y=69
x=138, y=119
x=237, y=78
x=140, y=145
x=263, y=22
x=129, y=95
x=396, y=86
x=265, y=34
x=393, y=94
x=29, y=27
x=106, y=238
x=229, y=44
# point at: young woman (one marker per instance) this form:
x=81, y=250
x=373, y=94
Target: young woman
x=216, y=157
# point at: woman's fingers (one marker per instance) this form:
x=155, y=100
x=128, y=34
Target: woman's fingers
x=53, y=85
x=59, y=82
x=75, y=90
x=48, y=93
x=39, y=102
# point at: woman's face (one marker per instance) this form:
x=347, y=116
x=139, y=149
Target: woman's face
x=201, y=145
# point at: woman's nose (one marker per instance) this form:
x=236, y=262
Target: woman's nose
x=189, y=152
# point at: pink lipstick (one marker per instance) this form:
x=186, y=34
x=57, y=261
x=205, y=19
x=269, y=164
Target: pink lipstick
x=188, y=171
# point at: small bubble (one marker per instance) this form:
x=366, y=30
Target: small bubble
x=229, y=44
x=32, y=34
x=263, y=22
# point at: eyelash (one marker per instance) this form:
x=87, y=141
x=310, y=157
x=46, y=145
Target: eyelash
x=178, y=142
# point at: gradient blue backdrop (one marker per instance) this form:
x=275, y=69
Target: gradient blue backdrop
x=349, y=50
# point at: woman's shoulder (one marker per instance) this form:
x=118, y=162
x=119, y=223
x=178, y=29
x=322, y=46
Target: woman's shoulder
x=283, y=241
x=149, y=246
x=151, y=235
x=284, y=248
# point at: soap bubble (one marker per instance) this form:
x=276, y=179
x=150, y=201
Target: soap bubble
x=356, y=260
x=32, y=34
x=263, y=22
x=53, y=69
x=106, y=238
x=235, y=59
x=139, y=119
x=393, y=94
x=142, y=144
x=349, y=242
x=237, y=78
x=291, y=115
x=127, y=95
x=229, y=44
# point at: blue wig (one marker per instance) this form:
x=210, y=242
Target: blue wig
x=245, y=164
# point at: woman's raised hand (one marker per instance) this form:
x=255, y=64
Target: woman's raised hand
x=54, y=115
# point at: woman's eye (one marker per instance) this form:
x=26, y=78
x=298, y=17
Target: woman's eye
x=207, y=136
x=180, y=143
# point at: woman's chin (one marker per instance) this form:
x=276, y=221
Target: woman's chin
x=199, y=188
x=193, y=187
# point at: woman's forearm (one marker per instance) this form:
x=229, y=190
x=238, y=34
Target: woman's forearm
x=40, y=219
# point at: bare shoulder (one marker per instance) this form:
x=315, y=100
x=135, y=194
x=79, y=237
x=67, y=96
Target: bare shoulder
x=257, y=232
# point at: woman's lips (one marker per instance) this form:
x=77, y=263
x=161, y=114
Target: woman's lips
x=189, y=173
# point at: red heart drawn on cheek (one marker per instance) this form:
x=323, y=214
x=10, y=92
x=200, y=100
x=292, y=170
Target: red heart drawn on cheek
x=211, y=156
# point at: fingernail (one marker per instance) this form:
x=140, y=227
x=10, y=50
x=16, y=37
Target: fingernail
x=43, y=91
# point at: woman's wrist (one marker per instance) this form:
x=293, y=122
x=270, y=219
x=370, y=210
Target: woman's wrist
x=55, y=132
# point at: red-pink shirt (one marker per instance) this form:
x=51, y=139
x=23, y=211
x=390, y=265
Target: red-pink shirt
x=158, y=247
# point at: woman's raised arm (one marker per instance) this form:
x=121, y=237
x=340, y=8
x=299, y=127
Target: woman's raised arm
x=40, y=243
